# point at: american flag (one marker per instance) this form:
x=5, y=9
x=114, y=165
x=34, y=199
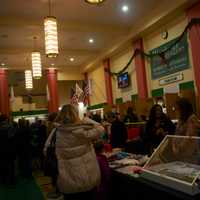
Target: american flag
x=73, y=97
x=85, y=92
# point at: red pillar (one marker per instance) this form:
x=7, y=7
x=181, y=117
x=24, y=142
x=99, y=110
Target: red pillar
x=194, y=35
x=87, y=81
x=140, y=71
x=108, y=81
x=4, y=96
x=53, y=90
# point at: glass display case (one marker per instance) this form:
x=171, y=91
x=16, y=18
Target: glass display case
x=176, y=164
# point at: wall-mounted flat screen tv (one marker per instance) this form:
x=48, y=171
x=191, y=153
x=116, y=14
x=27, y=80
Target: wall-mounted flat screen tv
x=123, y=80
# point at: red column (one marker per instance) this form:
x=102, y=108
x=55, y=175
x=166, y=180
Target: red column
x=140, y=71
x=108, y=81
x=194, y=35
x=53, y=90
x=4, y=96
x=87, y=81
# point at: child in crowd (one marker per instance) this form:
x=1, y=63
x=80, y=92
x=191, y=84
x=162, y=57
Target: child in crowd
x=104, y=188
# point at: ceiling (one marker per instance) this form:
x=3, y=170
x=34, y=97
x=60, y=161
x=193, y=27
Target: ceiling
x=21, y=20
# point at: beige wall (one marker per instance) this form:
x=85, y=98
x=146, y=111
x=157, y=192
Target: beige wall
x=39, y=103
x=117, y=63
x=154, y=40
x=18, y=104
x=64, y=88
x=70, y=75
x=98, y=92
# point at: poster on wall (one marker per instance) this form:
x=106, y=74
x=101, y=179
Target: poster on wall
x=174, y=60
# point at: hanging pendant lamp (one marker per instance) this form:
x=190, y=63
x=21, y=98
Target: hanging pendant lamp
x=28, y=79
x=36, y=63
x=95, y=2
x=51, y=35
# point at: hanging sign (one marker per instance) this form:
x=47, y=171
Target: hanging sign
x=174, y=60
x=171, y=79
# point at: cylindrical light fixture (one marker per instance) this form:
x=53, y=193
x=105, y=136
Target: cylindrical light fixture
x=51, y=36
x=94, y=1
x=28, y=79
x=36, y=64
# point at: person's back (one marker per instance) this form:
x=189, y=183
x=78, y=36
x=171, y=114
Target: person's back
x=7, y=151
x=24, y=149
x=78, y=168
x=7, y=139
x=118, y=134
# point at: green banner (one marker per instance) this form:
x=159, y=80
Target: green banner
x=174, y=60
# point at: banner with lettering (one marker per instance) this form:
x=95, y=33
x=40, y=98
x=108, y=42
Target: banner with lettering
x=174, y=60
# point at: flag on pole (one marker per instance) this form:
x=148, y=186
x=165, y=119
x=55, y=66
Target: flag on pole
x=47, y=90
x=12, y=95
x=85, y=92
x=73, y=97
x=79, y=91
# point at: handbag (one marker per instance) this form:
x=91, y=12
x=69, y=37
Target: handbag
x=51, y=163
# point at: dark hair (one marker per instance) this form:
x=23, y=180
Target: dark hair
x=130, y=110
x=152, y=114
x=185, y=108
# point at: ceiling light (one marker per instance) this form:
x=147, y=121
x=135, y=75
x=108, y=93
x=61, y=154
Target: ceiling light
x=95, y=2
x=28, y=79
x=72, y=59
x=36, y=65
x=91, y=40
x=52, y=64
x=125, y=8
x=51, y=35
x=36, y=62
x=3, y=64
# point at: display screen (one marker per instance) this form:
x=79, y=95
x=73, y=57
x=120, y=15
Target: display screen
x=123, y=80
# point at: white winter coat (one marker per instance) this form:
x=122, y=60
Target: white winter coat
x=77, y=164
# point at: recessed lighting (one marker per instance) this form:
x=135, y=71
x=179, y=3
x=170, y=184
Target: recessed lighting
x=52, y=64
x=72, y=59
x=3, y=64
x=91, y=40
x=125, y=8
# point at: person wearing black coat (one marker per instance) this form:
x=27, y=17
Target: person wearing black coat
x=7, y=151
x=24, y=149
x=157, y=127
x=130, y=116
x=118, y=133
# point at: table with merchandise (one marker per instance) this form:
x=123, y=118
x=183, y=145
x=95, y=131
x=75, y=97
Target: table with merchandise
x=129, y=182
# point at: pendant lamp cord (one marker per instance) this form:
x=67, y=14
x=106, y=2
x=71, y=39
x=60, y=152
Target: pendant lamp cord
x=49, y=7
x=34, y=43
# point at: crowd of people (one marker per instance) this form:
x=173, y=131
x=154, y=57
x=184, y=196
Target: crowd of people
x=21, y=148
x=80, y=169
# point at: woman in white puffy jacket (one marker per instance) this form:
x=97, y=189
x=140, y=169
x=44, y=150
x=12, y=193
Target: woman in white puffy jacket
x=78, y=168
